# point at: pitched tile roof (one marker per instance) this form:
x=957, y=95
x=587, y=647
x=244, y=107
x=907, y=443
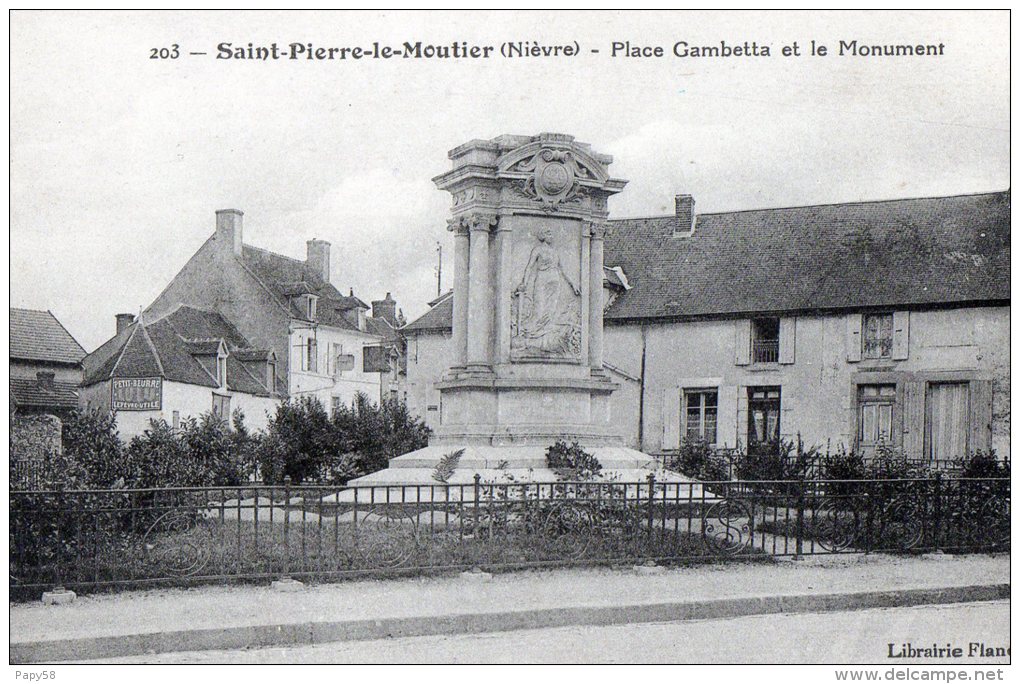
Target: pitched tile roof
x=176, y=347
x=286, y=277
x=26, y=392
x=438, y=317
x=911, y=252
x=382, y=328
x=939, y=250
x=39, y=336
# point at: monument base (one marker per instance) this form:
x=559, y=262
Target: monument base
x=416, y=476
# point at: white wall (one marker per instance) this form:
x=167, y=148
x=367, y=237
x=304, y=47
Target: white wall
x=321, y=384
x=818, y=390
x=429, y=354
x=190, y=401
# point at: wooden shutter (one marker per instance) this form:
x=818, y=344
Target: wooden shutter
x=913, y=418
x=981, y=414
x=671, y=418
x=742, y=341
x=900, y=335
x=853, y=337
x=726, y=418
x=787, y=339
x=948, y=420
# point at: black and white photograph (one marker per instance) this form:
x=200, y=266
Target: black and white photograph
x=509, y=337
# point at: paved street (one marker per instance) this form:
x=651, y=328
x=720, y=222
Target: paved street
x=853, y=637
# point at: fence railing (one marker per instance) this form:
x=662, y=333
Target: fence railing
x=182, y=536
x=765, y=351
x=817, y=468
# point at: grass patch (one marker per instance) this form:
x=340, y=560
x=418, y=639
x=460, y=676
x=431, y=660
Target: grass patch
x=191, y=549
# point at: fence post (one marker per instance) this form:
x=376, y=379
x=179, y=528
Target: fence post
x=651, y=500
x=869, y=512
x=937, y=525
x=478, y=501
x=286, y=526
x=801, y=484
x=63, y=553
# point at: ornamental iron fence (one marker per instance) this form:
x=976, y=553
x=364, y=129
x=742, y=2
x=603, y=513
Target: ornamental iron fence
x=182, y=536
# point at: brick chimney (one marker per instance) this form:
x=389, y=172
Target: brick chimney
x=684, y=214
x=318, y=258
x=229, y=228
x=45, y=379
x=124, y=321
x=385, y=309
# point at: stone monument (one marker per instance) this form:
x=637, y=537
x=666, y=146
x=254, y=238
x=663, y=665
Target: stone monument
x=529, y=219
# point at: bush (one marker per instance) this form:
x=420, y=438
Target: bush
x=982, y=464
x=300, y=442
x=571, y=462
x=375, y=433
x=843, y=465
x=779, y=460
x=93, y=452
x=700, y=460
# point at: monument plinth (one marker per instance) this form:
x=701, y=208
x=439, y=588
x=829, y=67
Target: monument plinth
x=529, y=219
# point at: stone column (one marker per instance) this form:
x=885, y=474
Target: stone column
x=460, y=292
x=480, y=309
x=598, y=234
x=503, y=290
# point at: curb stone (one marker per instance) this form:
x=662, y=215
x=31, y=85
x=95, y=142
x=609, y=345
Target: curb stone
x=260, y=636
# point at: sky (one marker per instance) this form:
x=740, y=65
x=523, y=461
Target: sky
x=119, y=161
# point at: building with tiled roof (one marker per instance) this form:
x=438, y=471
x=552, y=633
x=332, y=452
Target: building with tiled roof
x=45, y=363
x=326, y=341
x=184, y=364
x=845, y=323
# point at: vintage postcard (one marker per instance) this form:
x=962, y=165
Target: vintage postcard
x=511, y=337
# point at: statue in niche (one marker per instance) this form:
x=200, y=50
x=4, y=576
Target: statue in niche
x=545, y=309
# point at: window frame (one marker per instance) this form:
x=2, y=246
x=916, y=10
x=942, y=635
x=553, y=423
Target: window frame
x=703, y=408
x=765, y=349
x=889, y=399
x=769, y=403
x=223, y=402
x=311, y=354
x=883, y=354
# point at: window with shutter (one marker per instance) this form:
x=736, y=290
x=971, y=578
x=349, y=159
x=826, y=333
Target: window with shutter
x=763, y=413
x=765, y=340
x=878, y=336
x=701, y=410
x=947, y=421
x=311, y=355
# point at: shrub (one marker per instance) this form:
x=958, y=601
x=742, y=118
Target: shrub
x=375, y=433
x=93, y=453
x=779, y=460
x=700, y=460
x=843, y=465
x=300, y=442
x=571, y=462
x=982, y=464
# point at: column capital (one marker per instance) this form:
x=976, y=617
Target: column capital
x=596, y=229
x=480, y=221
x=456, y=225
